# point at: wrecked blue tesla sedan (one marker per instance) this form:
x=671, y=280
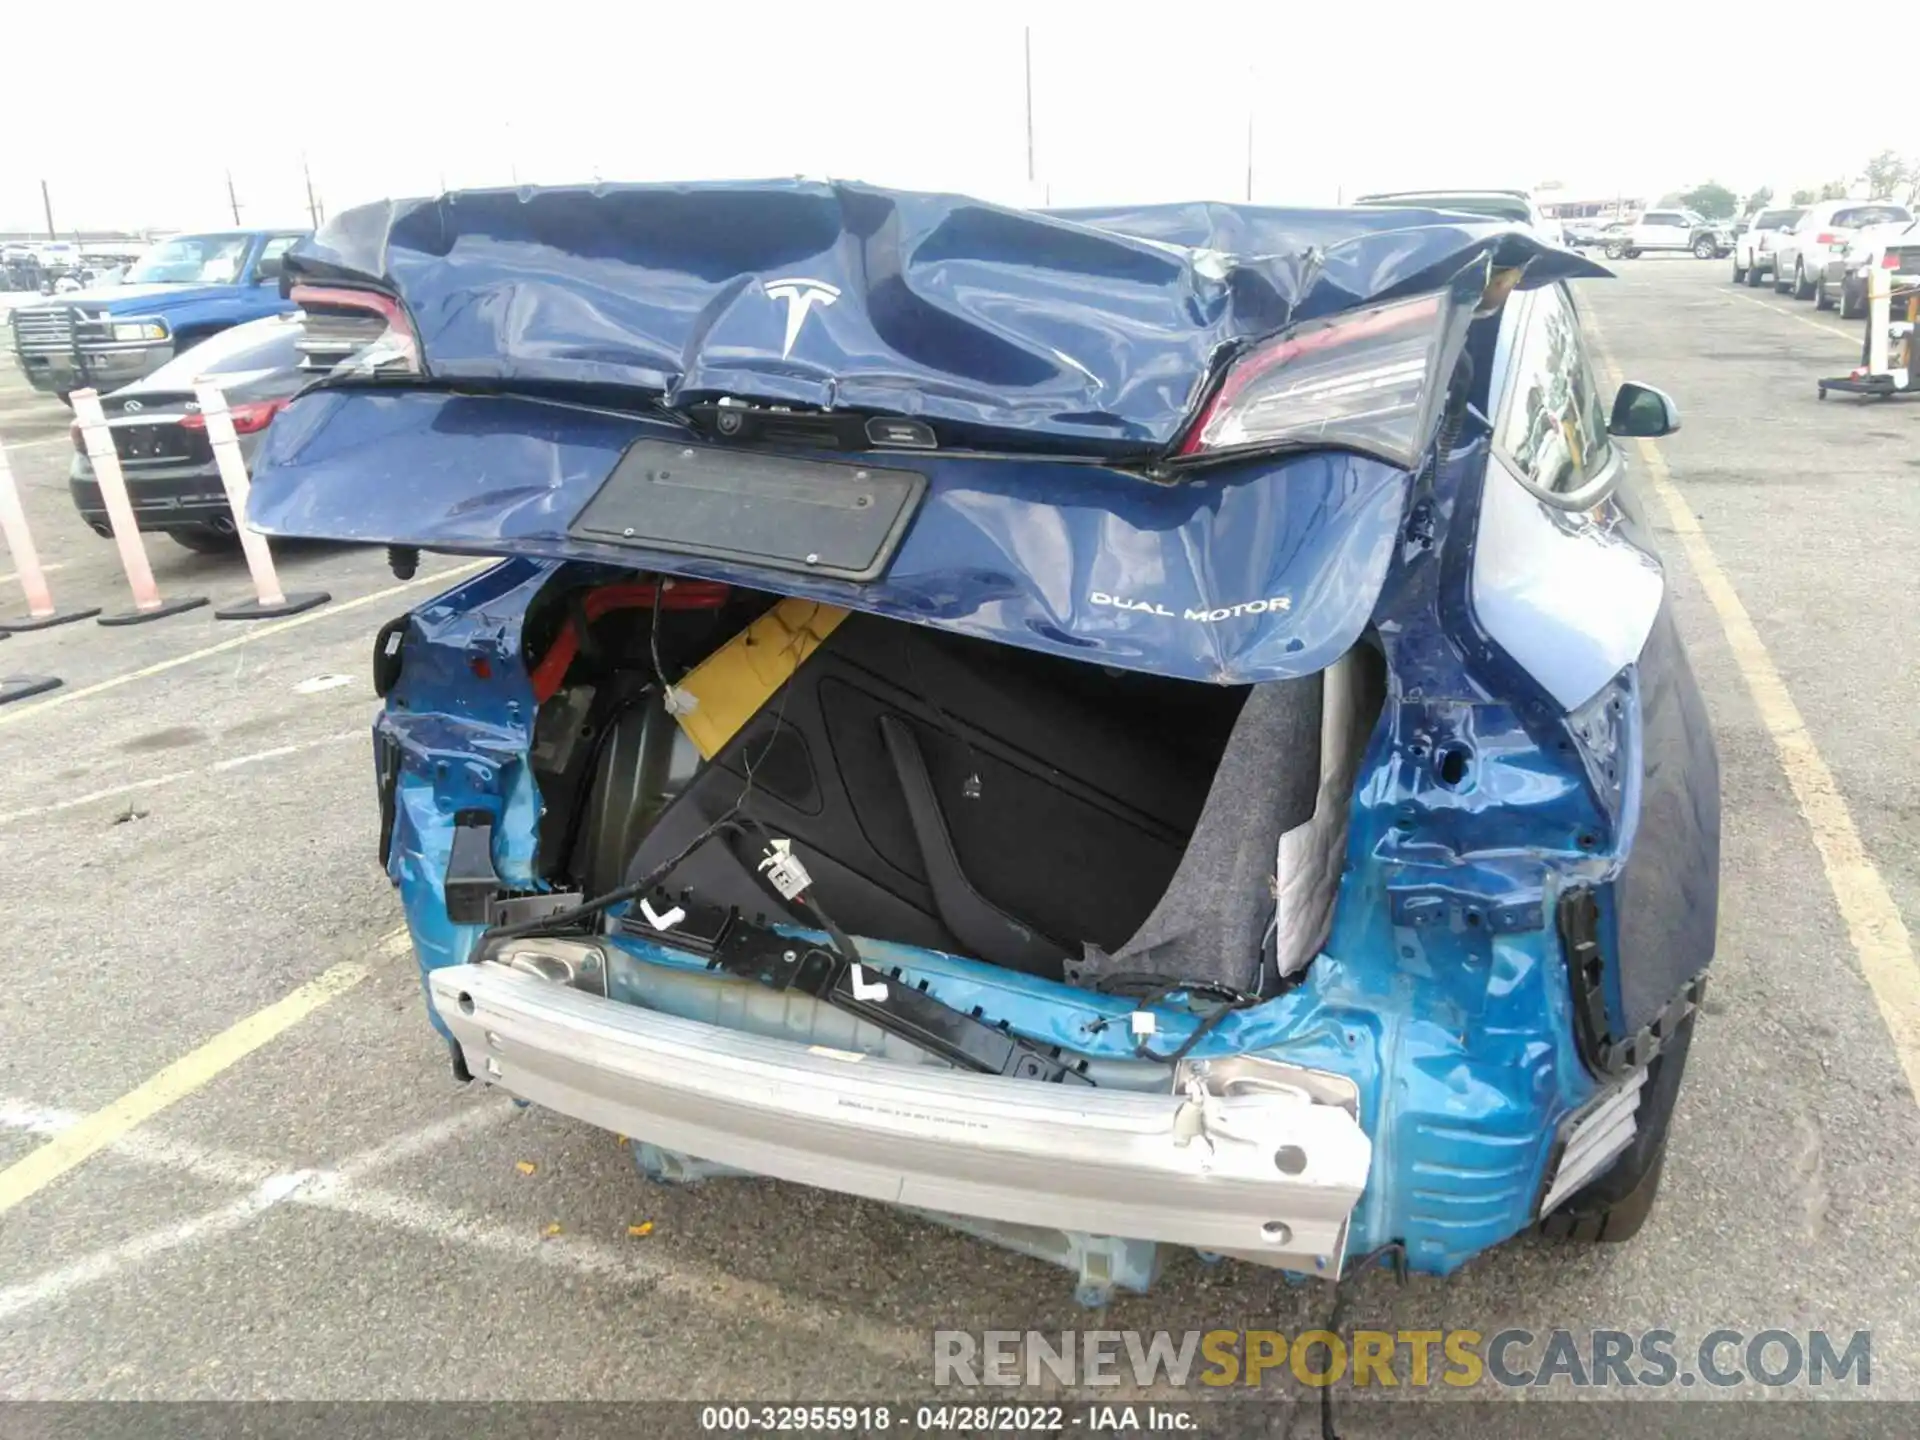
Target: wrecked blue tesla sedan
x=1112, y=729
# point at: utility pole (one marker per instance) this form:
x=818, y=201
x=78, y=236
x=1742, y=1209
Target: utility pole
x=1251, y=92
x=1029, y=46
x=313, y=206
x=233, y=200
x=1249, y=150
x=46, y=203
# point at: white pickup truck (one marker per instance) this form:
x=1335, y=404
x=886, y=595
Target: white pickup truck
x=1671, y=230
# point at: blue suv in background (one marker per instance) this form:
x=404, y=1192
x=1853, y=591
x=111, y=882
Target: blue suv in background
x=176, y=295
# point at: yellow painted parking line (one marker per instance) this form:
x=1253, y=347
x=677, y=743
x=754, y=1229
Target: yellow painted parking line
x=14, y=716
x=1879, y=936
x=73, y=1147
x=1852, y=335
x=95, y=1132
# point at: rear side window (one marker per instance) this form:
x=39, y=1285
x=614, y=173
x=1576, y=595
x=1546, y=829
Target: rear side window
x=272, y=261
x=1774, y=219
x=1554, y=429
x=1858, y=215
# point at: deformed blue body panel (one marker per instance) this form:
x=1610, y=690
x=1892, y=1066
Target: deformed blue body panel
x=1494, y=782
x=1244, y=572
x=1442, y=991
x=1096, y=327
x=1456, y=1036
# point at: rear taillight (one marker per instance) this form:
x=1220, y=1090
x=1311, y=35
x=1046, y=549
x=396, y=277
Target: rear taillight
x=248, y=417
x=1890, y=260
x=1829, y=237
x=1366, y=380
x=357, y=332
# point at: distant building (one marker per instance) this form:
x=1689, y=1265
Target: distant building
x=1613, y=207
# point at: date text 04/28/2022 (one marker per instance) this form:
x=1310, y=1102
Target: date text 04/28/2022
x=960, y=1418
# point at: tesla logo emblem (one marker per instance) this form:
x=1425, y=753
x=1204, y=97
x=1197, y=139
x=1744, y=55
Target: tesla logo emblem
x=131, y=406
x=801, y=296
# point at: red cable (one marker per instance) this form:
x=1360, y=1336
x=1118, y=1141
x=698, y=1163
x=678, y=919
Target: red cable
x=679, y=595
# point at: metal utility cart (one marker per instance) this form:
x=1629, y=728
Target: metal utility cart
x=1891, y=363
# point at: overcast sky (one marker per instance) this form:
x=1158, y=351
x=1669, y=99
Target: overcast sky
x=135, y=113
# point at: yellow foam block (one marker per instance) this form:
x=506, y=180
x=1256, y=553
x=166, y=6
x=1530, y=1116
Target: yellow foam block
x=732, y=684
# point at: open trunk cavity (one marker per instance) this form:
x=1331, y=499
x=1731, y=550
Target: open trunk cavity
x=1049, y=815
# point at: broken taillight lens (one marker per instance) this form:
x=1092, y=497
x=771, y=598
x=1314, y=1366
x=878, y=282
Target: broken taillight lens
x=1365, y=380
x=344, y=331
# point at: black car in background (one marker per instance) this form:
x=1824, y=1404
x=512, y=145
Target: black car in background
x=161, y=439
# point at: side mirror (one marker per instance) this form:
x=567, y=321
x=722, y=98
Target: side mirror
x=268, y=271
x=1641, y=410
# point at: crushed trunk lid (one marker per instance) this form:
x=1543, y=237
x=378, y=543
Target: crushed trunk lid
x=564, y=365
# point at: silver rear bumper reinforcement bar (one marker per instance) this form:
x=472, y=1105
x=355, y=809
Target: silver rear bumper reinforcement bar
x=1242, y=1155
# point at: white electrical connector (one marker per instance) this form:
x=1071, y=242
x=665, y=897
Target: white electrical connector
x=1141, y=1023
x=661, y=922
x=679, y=702
x=864, y=989
x=783, y=868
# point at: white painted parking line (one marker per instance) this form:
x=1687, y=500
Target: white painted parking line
x=155, y=782
x=1880, y=939
x=1849, y=335
x=342, y=1191
x=45, y=569
x=87, y=1137
x=15, y=714
x=317, y=683
x=104, y=1264
x=268, y=1189
x=112, y=792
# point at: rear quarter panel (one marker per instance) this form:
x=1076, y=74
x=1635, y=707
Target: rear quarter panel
x=1579, y=602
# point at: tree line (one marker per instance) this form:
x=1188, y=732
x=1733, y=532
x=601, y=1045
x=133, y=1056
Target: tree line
x=1886, y=176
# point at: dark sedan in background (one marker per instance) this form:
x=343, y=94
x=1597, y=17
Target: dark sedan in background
x=161, y=438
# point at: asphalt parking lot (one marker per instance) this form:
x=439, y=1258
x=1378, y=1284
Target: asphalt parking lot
x=190, y=827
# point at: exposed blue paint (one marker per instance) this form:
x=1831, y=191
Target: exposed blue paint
x=463, y=746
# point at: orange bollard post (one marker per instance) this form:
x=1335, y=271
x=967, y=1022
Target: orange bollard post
x=41, y=613
x=147, y=604
x=269, y=599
